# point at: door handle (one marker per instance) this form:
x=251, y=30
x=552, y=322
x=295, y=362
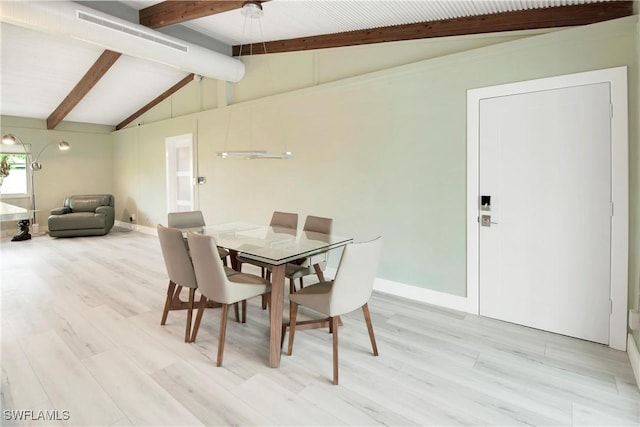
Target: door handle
x=485, y=221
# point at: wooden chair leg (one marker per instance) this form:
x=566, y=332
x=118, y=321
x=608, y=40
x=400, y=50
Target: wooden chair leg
x=293, y=312
x=176, y=295
x=292, y=286
x=196, y=325
x=236, y=312
x=367, y=319
x=283, y=335
x=334, y=323
x=167, y=303
x=244, y=311
x=301, y=283
x=319, y=272
x=223, y=331
x=267, y=275
x=187, y=332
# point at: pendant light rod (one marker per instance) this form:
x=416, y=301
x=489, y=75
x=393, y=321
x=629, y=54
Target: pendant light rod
x=253, y=10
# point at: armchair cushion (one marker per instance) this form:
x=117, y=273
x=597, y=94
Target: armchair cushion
x=59, y=211
x=90, y=215
x=88, y=203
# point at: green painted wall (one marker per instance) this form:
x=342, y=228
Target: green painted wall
x=377, y=132
x=382, y=152
x=86, y=168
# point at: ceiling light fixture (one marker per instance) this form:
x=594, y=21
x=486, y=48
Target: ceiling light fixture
x=252, y=10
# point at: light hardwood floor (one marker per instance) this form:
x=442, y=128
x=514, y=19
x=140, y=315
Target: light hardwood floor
x=81, y=333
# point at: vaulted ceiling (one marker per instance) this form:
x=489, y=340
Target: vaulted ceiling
x=54, y=73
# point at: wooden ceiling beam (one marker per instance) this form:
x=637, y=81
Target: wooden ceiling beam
x=551, y=17
x=167, y=93
x=176, y=12
x=95, y=73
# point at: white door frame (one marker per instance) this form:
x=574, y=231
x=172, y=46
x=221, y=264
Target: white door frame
x=170, y=144
x=617, y=78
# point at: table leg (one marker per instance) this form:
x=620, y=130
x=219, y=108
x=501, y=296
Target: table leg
x=234, y=260
x=277, y=304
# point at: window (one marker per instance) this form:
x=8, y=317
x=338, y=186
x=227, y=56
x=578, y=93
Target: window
x=17, y=182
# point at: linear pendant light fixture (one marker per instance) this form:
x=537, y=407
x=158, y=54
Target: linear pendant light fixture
x=251, y=10
x=83, y=23
x=253, y=154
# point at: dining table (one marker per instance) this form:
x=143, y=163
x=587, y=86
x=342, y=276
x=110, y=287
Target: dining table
x=274, y=246
x=9, y=212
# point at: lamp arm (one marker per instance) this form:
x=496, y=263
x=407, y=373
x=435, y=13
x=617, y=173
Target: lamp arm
x=35, y=160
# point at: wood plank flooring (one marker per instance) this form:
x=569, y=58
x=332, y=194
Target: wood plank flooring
x=82, y=344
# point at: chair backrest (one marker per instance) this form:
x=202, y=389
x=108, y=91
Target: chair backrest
x=176, y=257
x=284, y=219
x=353, y=284
x=88, y=203
x=212, y=279
x=318, y=224
x=186, y=219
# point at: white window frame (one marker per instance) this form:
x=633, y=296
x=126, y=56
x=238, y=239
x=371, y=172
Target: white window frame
x=19, y=149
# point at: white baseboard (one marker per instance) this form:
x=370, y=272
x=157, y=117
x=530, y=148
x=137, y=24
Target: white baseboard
x=135, y=227
x=634, y=357
x=428, y=296
x=415, y=293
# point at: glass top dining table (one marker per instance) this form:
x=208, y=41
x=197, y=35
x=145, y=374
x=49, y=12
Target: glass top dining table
x=275, y=246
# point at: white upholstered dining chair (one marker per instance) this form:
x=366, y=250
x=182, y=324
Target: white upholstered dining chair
x=216, y=286
x=311, y=265
x=193, y=219
x=351, y=289
x=284, y=221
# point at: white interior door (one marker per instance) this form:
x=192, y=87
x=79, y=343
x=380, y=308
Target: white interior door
x=545, y=243
x=180, y=181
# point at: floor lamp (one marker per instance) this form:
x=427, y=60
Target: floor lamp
x=34, y=166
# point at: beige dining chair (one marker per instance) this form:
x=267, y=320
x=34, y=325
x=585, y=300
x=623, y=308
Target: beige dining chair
x=179, y=267
x=216, y=286
x=181, y=274
x=311, y=265
x=351, y=289
x=284, y=221
x=193, y=219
